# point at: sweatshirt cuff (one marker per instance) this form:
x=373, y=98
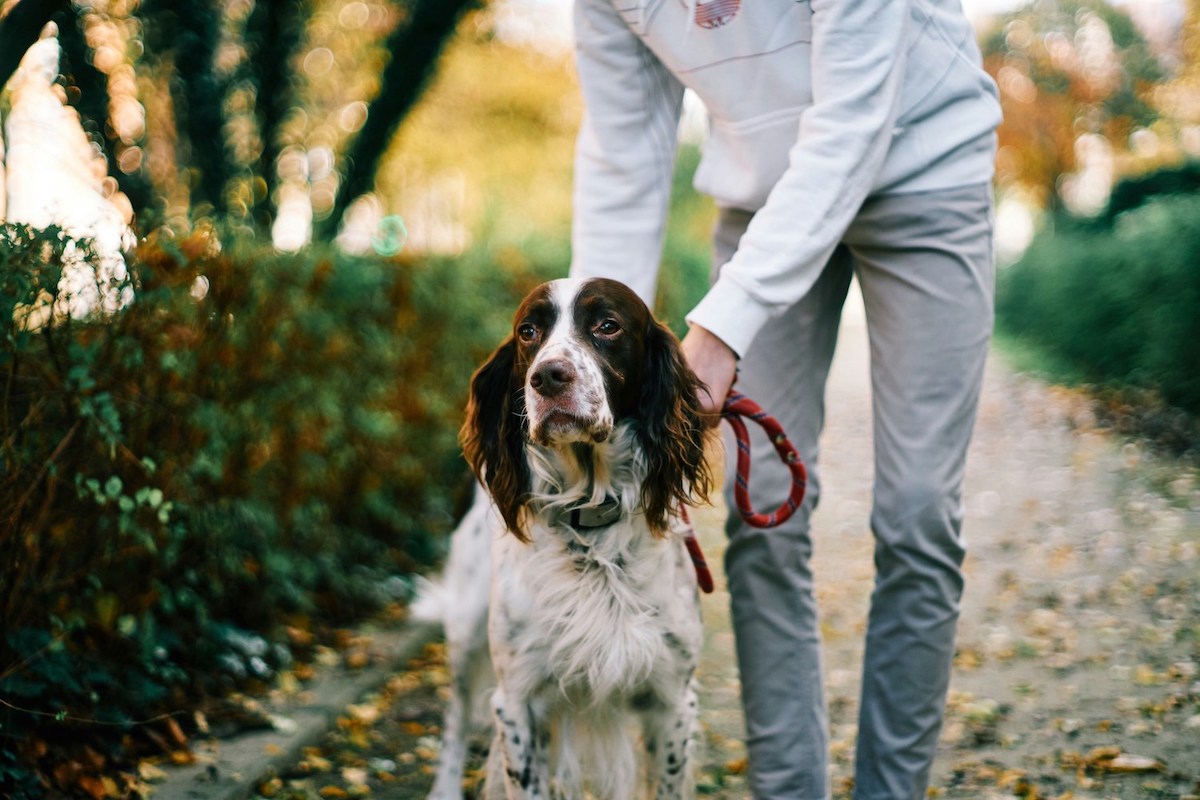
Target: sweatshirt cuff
x=731, y=314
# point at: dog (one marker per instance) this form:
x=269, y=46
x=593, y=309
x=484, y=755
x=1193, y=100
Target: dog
x=570, y=569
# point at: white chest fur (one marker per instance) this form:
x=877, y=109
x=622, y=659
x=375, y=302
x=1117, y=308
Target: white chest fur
x=608, y=616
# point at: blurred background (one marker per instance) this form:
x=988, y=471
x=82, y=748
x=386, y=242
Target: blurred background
x=252, y=250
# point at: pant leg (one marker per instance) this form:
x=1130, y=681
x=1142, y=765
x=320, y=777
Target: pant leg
x=925, y=266
x=770, y=583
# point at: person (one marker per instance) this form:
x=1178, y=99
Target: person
x=847, y=137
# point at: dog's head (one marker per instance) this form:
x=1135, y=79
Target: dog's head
x=585, y=356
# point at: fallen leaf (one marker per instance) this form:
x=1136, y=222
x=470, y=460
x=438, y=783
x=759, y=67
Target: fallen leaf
x=1128, y=763
x=176, y=733
x=354, y=775
x=1098, y=754
x=270, y=788
x=94, y=787
x=93, y=760
x=316, y=763
x=365, y=713
x=150, y=773
x=181, y=757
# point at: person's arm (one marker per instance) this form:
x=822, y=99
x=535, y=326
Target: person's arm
x=858, y=57
x=625, y=152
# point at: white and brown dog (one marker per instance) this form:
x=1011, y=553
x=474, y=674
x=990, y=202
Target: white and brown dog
x=585, y=428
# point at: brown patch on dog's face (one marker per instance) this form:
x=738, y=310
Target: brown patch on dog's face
x=560, y=330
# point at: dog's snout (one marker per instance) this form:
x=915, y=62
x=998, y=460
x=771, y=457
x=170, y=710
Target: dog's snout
x=552, y=378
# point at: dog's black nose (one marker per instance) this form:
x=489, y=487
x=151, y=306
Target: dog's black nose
x=552, y=378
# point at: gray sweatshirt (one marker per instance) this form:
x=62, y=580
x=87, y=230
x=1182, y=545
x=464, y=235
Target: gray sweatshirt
x=814, y=105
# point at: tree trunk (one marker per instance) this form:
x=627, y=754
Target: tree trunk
x=191, y=32
x=415, y=46
x=273, y=32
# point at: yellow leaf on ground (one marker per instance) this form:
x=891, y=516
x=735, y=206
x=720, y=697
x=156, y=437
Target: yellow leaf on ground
x=365, y=713
x=1127, y=762
x=150, y=773
x=354, y=775
x=736, y=767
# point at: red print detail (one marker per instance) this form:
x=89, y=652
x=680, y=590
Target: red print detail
x=716, y=13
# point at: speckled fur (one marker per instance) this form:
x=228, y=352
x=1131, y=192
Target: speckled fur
x=594, y=634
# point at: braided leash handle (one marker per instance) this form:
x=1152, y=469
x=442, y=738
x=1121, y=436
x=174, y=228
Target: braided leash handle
x=737, y=406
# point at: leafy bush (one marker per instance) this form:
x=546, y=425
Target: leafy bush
x=1129, y=193
x=1118, y=305
x=257, y=439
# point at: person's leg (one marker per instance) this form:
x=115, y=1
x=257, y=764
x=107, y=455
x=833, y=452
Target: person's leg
x=770, y=583
x=925, y=266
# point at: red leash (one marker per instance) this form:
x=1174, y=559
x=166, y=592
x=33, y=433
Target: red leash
x=737, y=407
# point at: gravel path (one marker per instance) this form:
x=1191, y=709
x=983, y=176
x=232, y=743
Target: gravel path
x=1076, y=674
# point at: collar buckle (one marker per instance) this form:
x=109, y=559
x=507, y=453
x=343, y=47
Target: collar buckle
x=589, y=518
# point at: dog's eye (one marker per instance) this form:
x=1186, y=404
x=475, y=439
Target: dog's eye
x=607, y=327
x=527, y=332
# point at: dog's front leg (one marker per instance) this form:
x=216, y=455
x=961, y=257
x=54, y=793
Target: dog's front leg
x=669, y=730
x=519, y=750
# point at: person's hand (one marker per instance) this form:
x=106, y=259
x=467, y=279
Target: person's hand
x=714, y=364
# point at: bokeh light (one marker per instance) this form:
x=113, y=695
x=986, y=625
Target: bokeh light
x=390, y=236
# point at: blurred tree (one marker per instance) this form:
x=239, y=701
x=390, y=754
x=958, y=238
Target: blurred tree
x=1066, y=68
x=274, y=31
x=183, y=39
x=1180, y=97
x=414, y=46
x=211, y=60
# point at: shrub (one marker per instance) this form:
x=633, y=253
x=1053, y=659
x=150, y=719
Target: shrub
x=1117, y=305
x=256, y=439
x=1132, y=192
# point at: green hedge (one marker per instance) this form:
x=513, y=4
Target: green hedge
x=256, y=440
x=1118, y=305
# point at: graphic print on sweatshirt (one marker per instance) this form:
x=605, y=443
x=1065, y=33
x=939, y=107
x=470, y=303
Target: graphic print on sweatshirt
x=715, y=13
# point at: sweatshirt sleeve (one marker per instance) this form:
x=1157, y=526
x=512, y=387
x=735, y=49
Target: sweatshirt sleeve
x=858, y=60
x=625, y=152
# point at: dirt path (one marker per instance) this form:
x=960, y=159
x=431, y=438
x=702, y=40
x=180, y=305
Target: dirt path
x=1076, y=674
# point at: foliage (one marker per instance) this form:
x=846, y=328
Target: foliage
x=501, y=122
x=1066, y=68
x=1118, y=305
x=1131, y=192
x=257, y=440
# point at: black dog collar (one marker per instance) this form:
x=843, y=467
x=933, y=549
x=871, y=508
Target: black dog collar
x=587, y=518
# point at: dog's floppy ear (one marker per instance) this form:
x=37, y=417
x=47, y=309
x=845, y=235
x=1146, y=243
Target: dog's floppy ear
x=493, y=435
x=671, y=430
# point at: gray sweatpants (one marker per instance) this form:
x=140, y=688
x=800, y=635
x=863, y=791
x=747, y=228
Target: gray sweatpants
x=924, y=263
